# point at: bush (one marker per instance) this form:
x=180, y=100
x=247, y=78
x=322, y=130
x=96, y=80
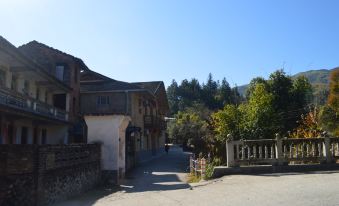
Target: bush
x=210, y=167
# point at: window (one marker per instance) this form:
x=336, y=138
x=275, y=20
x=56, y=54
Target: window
x=74, y=103
x=10, y=134
x=76, y=75
x=26, y=87
x=102, y=100
x=59, y=72
x=35, y=135
x=37, y=93
x=2, y=78
x=43, y=136
x=46, y=96
x=14, y=85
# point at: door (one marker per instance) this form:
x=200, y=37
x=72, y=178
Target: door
x=153, y=139
x=129, y=151
x=10, y=134
x=24, y=135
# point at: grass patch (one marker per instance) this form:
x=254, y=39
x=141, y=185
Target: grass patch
x=191, y=178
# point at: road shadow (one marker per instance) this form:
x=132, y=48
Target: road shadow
x=165, y=173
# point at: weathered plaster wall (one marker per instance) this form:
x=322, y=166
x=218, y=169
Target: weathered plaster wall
x=109, y=131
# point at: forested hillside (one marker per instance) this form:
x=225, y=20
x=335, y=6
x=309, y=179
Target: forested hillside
x=206, y=113
x=319, y=79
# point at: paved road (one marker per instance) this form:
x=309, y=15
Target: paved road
x=162, y=182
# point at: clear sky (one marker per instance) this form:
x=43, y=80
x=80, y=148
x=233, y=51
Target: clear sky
x=145, y=40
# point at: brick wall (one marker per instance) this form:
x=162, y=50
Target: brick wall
x=41, y=175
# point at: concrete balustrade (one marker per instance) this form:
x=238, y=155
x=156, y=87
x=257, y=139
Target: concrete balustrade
x=198, y=166
x=281, y=151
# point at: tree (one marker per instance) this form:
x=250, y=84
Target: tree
x=330, y=112
x=301, y=92
x=209, y=93
x=280, y=86
x=260, y=117
x=227, y=121
x=252, y=85
x=190, y=129
x=224, y=93
x=333, y=98
x=172, y=96
x=300, y=97
x=329, y=120
x=235, y=96
x=309, y=125
x=290, y=98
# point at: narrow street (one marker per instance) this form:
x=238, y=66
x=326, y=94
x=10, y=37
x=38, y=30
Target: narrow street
x=146, y=184
x=162, y=182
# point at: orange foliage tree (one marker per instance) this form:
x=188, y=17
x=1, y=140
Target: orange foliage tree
x=308, y=125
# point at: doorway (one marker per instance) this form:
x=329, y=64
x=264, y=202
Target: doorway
x=24, y=135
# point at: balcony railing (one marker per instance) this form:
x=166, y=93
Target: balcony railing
x=154, y=122
x=15, y=101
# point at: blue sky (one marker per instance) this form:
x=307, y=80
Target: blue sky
x=177, y=39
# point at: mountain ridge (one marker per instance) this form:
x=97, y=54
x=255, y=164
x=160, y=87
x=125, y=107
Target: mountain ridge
x=319, y=78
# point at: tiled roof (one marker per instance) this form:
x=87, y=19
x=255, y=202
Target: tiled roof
x=33, y=65
x=151, y=86
x=92, y=81
x=35, y=50
x=107, y=85
x=91, y=76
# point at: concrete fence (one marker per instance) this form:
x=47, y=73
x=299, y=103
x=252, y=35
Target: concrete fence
x=282, y=151
x=198, y=166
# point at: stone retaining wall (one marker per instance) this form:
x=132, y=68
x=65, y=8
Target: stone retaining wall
x=44, y=174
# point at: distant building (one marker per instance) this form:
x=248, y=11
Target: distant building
x=35, y=105
x=127, y=118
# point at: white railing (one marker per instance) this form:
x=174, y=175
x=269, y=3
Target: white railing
x=282, y=151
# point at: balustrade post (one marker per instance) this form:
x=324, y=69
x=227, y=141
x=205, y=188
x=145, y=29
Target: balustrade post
x=203, y=167
x=327, y=151
x=191, y=164
x=278, y=150
x=230, y=151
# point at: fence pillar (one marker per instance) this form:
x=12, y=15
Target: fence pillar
x=327, y=147
x=191, y=164
x=278, y=150
x=230, y=151
x=203, y=167
x=196, y=166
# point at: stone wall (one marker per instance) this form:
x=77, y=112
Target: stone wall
x=44, y=174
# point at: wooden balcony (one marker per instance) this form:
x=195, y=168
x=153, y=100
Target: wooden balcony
x=19, y=102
